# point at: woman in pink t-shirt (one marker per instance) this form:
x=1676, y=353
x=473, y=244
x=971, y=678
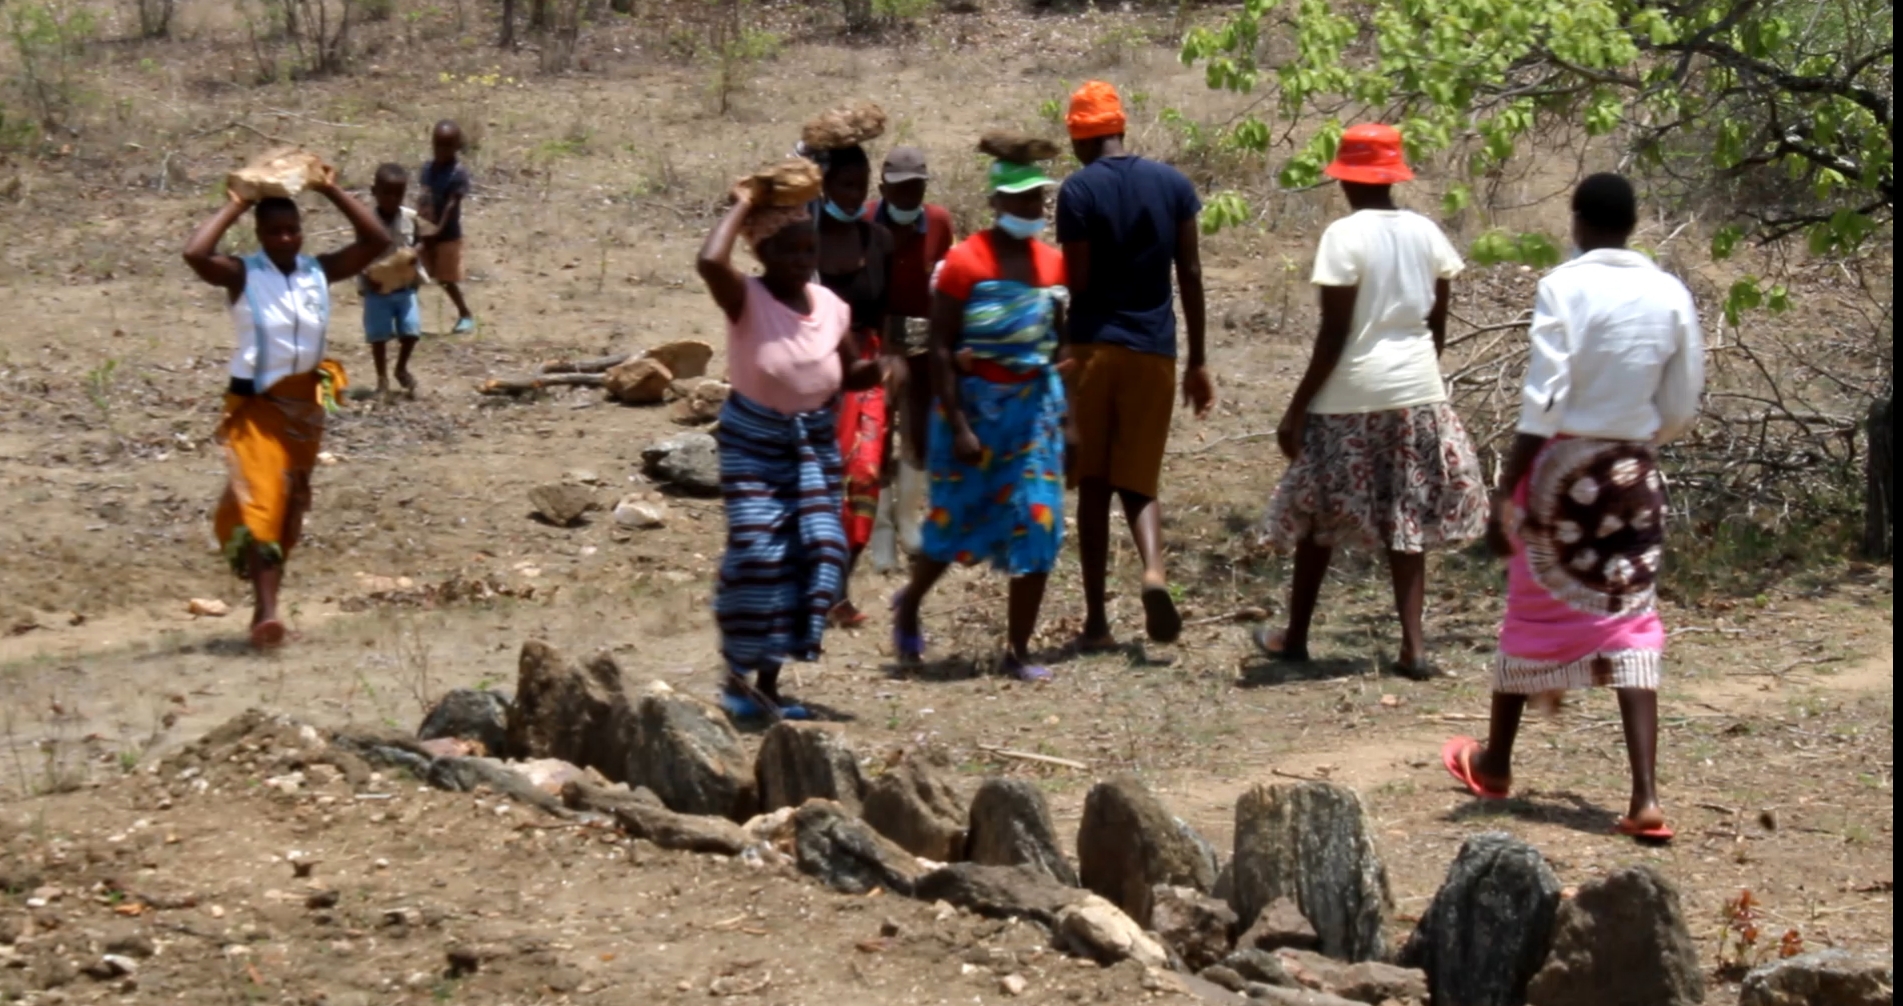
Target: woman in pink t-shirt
x=789, y=353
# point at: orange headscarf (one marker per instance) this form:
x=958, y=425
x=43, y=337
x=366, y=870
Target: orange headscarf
x=1095, y=110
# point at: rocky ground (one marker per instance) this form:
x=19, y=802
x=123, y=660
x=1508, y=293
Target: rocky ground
x=158, y=845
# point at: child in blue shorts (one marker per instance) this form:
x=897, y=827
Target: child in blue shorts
x=390, y=304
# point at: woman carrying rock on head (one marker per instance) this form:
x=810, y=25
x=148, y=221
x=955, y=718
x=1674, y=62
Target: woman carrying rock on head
x=282, y=384
x=995, y=452
x=790, y=353
x=855, y=262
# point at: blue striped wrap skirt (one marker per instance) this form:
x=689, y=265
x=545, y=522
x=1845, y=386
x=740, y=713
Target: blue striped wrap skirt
x=785, y=562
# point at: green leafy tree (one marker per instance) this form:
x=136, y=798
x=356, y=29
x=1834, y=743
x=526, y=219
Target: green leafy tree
x=1779, y=110
x=1770, y=118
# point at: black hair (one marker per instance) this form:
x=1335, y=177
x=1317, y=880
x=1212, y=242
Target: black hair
x=844, y=157
x=393, y=173
x=274, y=205
x=1606, y=202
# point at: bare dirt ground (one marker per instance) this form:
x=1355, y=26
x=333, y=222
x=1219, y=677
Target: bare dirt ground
x=594, y=188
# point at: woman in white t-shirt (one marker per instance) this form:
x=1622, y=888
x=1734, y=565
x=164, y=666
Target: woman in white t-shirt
x=1378, y=458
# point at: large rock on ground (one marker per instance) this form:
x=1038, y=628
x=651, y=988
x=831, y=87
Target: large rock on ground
x=1011, y=826
x=642, y=815
x=1621, y=941
x=1098, y=929
x=1257, y=967
x=472, y=715
x=918, y=805
x=562, y=503
x=684, y=832
x=1280, y=925
x=577, y=714
x=689, y=462
x=999, y=892
x=684, y=358
x=1488, y=929
x=1364, y=981
x=640, y=381
x=847, y=855
x=1312, y=842
x=1196, y=927
x=1128, y=843
x=1272, y=995
x=1824, y=978
x=699, y=401
x=689, y=754
x=802, y=761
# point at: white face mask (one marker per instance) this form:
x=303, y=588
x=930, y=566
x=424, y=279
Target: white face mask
x=899, y=216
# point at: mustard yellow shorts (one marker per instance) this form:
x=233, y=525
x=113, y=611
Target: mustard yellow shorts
x=1121, y=401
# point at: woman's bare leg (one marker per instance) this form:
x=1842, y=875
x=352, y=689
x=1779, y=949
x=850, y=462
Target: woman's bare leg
x=1305, y=589
x=1639, y=712
x=1494, y=765
x=1408, y=570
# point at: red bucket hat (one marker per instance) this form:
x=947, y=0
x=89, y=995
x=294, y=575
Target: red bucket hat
x=1369, y=154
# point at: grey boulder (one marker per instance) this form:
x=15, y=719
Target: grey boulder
x=1488, y=929
x=1312, y=842
x=803, y=761
x=1824, y=978
x=688, y=461
x=1011, y=826
x=470, y=714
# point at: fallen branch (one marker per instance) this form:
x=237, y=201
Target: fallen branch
x=523, y=385
x=597, y=365
x=1040, y=759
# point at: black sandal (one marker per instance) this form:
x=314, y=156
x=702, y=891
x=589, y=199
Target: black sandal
x=1161, y=621
x=1420, y=670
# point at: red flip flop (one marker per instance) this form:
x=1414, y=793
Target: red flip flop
x=1458, y=755
x=845, y=616
x=1659, y=835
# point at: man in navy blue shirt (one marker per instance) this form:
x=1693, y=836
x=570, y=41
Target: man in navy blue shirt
x=1126, y=224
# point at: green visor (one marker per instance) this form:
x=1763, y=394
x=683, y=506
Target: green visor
x=1015, y=178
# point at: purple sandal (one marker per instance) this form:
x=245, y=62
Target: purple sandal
x=909, y=648
x=1030, y=674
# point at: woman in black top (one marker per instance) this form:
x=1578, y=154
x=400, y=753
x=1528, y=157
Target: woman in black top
x=855, y=262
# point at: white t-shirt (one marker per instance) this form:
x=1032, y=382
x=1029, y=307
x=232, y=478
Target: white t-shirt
x=1616, y=352
x=1394, y=257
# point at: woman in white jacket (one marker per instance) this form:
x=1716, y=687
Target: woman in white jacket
x=1616, y=369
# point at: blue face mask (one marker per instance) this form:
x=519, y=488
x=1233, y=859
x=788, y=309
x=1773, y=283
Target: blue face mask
x=899, y=216
x=833, y=210
x=1019, y=227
